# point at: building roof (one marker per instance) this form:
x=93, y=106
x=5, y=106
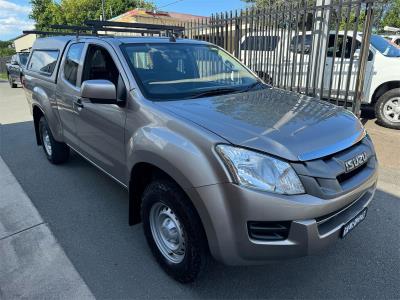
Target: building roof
x=130, y=16
x=20, y=36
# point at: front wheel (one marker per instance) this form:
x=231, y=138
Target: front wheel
x=387, y=109
x=56, y=152
x=174, y=231
x=11, y=82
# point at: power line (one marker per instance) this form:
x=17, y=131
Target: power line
x=170, y=4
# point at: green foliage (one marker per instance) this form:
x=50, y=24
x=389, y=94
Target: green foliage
x=75, y=12
x=392, y=15
x=265, y=3
x=6, y=49
x=386, y=13
x=43, y=12
x=352, y=21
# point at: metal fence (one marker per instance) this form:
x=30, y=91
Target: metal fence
x=319, y=48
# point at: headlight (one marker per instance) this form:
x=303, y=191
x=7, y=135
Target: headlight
x=259, y=171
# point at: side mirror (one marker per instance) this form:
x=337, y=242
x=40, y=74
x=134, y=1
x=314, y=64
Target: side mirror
x=14, y=62
x=99, y=91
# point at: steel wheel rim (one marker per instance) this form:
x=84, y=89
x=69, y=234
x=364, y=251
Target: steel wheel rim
x=167, y=232
x=391, y=110
x=46, y=141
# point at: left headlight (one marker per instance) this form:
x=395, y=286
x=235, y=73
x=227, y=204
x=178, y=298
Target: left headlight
x=259, y=171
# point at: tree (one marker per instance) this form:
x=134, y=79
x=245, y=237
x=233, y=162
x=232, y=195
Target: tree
x=75, y=12
x=6, y=49
x=392, y=15
x=265, y=3
x=44, y=12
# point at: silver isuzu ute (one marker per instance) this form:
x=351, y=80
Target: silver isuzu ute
x=216, y=162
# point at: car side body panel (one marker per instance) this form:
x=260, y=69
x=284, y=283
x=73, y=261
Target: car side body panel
x=42, y=94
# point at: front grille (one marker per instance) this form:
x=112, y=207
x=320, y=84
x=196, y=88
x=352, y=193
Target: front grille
x=345, y=176
x=268, y=231
x=326, y=177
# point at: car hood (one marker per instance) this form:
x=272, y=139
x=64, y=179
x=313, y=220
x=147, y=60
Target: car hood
x=282, y=123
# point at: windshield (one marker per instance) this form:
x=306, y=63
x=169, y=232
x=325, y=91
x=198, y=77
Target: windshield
x=23, y=58
x=181, y=71
x=384, y=46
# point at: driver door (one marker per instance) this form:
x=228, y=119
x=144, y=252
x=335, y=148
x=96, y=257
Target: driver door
x=100, y=127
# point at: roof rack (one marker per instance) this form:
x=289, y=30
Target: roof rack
x=95, y=27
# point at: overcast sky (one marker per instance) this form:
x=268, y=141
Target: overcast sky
x=14, y=13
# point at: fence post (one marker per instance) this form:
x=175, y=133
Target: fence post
x=320, y=37
x=365, y=42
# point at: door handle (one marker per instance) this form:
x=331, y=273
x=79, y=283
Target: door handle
x=78, y=103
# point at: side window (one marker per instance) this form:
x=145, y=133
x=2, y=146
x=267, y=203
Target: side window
x=43, y=61
x=303, y=44
x=72, y=62
x=339, y=47
x=99, y=65
x=23, y=58
x=260, y=43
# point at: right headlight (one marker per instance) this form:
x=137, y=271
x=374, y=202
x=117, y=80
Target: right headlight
x=260, y=171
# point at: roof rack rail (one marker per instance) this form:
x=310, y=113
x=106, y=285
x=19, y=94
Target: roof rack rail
x=40, y=32
x=112, y=24
x=96, y=27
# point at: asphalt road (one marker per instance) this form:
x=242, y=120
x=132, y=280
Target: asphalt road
x=87, y=213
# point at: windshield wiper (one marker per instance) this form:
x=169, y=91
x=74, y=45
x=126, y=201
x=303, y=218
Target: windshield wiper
x=221, y=91
x=214, y=92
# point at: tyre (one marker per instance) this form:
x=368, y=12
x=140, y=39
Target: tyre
x=387, y=109
x=13, y=85
x=56, y=152
x=174, y=231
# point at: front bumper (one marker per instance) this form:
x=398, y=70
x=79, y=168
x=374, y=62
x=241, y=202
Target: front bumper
x=226, y=209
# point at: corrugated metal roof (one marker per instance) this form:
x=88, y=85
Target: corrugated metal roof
x=129, y=16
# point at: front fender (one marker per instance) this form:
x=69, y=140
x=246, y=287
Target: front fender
x=189, y=163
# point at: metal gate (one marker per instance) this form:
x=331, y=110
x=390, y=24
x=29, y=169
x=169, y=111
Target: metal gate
x=319, y=48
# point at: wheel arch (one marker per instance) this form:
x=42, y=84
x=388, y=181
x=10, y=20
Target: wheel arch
x=141, y=174
x=37, y=114
x=383, y=88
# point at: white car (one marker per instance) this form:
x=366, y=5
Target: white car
x=395, y=39
x=292, y=69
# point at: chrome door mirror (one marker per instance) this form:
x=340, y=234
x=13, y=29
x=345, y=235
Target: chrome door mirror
x=99, y=91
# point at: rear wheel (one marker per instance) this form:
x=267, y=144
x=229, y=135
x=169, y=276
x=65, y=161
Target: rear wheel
x=173, y=230
x=11, y=82
x=56, y=152
x=387, y=109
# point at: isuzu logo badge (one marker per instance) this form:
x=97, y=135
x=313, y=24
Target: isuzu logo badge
x=355, y=162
